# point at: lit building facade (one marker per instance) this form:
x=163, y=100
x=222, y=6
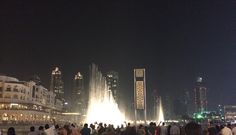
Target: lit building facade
x=78, y=94
x=57, y=85
x=200, y=94
x=26, y=101
x=230, y=113
x=112, y=79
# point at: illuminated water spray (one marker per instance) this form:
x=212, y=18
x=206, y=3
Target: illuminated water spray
x=160, y=112
x=102, y=106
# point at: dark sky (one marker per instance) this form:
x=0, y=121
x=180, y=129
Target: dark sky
x=175, y=41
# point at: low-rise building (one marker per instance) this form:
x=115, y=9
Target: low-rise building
x=27, y=101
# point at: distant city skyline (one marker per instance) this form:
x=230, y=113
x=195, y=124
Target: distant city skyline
x=174, y=41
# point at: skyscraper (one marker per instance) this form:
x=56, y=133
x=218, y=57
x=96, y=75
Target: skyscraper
x=78, y=94
x=112, y=79
x=200, y=93
x=57, y=85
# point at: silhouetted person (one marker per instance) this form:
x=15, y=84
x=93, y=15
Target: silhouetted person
x=85, y=130
x=193, y=128
x=212, y=129
x=11, y=131
x=32, y=131
x=41, y=131
x=46, y=126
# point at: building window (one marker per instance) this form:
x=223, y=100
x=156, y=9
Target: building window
x=0, y=89
x=0, y=95
x=8, y=88
x=15, y=89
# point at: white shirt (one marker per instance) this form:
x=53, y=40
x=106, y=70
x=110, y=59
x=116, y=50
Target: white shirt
x=163, y=130
x=226, y=131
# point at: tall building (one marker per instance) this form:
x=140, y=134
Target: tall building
x=200, y=93
x=112, y=79
x=188, y=102
x=57, y=85
x=78, y=94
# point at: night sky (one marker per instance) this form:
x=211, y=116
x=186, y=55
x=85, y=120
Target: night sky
x=175, y=41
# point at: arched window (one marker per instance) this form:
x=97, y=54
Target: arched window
x=8, y=88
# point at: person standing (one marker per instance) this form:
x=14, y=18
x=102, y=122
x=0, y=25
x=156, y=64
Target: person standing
x=85, y=130
x=163, y=129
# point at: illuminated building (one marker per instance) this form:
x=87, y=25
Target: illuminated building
x=57, y=85
x=78, y=94
x=200, y=93
x=27, y=101
x=230, y=113
x=220, y=110
x=112, y=79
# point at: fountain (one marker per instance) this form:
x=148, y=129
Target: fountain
x=160, y=112
x=102, y=106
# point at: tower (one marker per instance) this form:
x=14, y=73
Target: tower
x=112, y=79
x=140, y=93
x=200, y=93
x=78, y=95
x=57, y=85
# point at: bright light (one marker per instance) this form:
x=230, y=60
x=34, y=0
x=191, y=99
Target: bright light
x=102, y=106
x=160, y=112
x=105, y=111
x=13, y=104
x=71, y=113
x=199, y=116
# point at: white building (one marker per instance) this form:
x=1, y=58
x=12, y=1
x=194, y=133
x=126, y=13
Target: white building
x=26, y=101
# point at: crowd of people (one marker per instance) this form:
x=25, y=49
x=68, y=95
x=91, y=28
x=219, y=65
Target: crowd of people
x=191, y=128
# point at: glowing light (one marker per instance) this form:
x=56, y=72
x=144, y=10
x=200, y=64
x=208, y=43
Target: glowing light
x=102, y=106
x=71, y=113
x=160, y=112
x=13, y=104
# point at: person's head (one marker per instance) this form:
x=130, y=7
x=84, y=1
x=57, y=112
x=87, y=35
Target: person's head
x=140, y=126
x=85, y=125
x=41, y=128
x=193, y=128
x=11, y=131
x=154, y=124
x=163, y=124
x=32, y=128
x=57, y=126
x=46, y=126
x=211, y=123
